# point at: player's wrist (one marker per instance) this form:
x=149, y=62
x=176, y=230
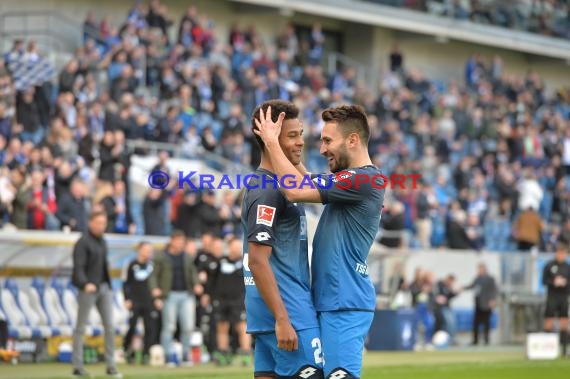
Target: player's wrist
x=271, y=143
x=282, y=319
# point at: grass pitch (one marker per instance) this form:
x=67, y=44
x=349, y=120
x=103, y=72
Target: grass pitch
x=466, y=364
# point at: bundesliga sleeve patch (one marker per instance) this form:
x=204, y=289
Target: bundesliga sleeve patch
x=265, y=215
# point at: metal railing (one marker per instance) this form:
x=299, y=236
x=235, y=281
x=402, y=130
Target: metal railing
x=212, y=160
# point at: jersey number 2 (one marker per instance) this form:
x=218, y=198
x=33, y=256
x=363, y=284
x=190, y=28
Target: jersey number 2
x=316, y=344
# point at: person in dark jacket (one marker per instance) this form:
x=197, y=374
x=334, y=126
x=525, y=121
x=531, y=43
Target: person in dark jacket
x=486, y=291
x=153, y=212
x=92, y=278
x=174, y=287
x=71, y=209
x=108, y=157
x=186, y=218
x=393, y=225
x=457, y=237
x=209, y=214
x=22, y=197
x=444, y=318
x=138, y=301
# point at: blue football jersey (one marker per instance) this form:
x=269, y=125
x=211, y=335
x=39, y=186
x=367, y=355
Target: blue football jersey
x=268, y=218
x=345, y=233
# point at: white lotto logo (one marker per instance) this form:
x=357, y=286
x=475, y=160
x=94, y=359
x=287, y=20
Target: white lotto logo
x=340, y=374
x=262, y=236
x=308, y=372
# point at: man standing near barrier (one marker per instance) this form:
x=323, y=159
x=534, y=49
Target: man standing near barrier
x=343, y=292
x=556, y=277
x=174, y=287
x=485, y=289
x=92, y=278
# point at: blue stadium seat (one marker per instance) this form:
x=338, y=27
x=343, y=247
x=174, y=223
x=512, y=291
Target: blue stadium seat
x=49, y=303
x=34, y=316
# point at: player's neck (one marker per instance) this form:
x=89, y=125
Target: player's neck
x=266, y=164
x=361, y=159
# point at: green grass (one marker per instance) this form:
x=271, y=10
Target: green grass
x=474, y=364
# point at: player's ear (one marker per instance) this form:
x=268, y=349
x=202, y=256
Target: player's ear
x=353, y=140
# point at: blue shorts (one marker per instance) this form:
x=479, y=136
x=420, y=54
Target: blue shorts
x=269, y=360
x=343, y=334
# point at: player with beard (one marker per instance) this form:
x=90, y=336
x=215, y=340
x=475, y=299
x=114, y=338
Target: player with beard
x=343, y=292
x=279, y=309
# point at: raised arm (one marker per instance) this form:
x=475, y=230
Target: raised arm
x=294, y=189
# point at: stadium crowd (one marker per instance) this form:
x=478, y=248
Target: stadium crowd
x=546, y=17
x=493, y=149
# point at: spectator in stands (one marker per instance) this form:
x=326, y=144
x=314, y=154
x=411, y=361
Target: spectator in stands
x=530, y=192
x=71, y=207
x=21, y=198
x=457, y=237
x=474, y=232
x=139, y=302
x=230, y=214
x=174, y=286
x=28, y=114
x=124, y=221
x=5, y=123
x=527, y=229
x=42, y=206
x=393, y=225
x=209, y=214
x=396, y=59
x=425, y=203
x=154, y=213
x=92, y=278
x=486, y=293
x=186, y=217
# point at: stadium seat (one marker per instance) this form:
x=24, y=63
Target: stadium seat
x=35, y=318
x=43, y=298
x=18, y=327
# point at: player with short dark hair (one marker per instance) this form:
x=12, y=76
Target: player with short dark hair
x=343, y=292
x=556, y=277
x=279, y=309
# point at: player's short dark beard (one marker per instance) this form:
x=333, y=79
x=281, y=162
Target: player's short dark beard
x=342, y=160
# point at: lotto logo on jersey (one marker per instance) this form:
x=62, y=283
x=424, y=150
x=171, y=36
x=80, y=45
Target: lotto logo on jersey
x=265, y=215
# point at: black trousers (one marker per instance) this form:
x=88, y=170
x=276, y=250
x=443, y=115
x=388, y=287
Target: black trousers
x=3, y=334
x=482, y=317
x=151, y=322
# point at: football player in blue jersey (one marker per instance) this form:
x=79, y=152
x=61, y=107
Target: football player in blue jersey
x=343, y=292
x=279, y=310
